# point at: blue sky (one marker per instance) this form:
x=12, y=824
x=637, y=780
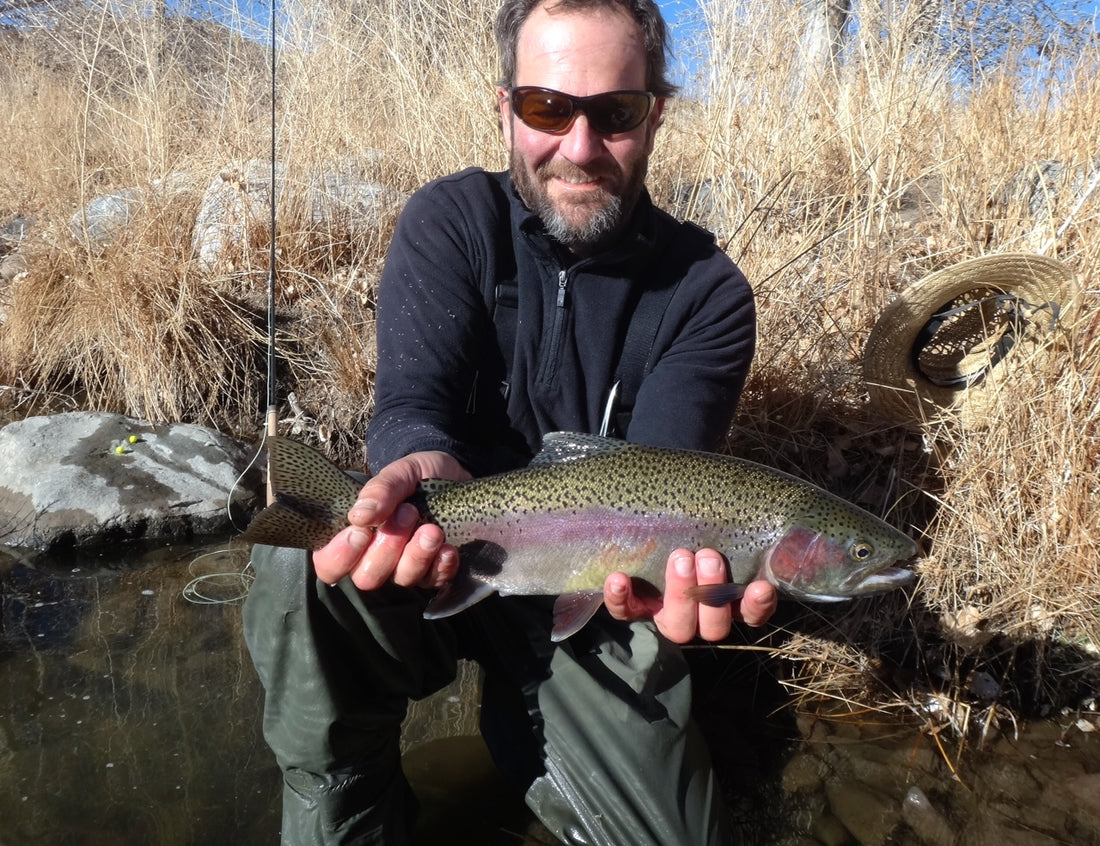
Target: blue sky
x=682, y=18
x=253, y=17
x=258, y=12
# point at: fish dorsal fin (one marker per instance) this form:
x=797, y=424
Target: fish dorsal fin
x=559, y=447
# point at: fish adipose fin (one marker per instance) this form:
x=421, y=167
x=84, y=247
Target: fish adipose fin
x=572, y=611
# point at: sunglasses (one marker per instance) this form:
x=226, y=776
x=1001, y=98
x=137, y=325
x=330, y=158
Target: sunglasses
x=609, y=113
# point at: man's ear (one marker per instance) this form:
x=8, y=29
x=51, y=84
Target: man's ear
x=656, y=118
x=504, y=116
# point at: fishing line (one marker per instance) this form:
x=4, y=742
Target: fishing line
x=219, y=588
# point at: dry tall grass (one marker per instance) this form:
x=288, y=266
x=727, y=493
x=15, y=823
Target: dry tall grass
x=832, y=189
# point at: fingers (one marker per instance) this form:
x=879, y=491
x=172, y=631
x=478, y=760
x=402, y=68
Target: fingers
x=758, y=603
x=384, y=492
x=389, y=548
x=623, y=603
x=383, y=541
x=714, y=623
x=682, y=619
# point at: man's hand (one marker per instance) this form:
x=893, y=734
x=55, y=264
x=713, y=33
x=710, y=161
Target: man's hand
x=679, y=618
x=383, y=542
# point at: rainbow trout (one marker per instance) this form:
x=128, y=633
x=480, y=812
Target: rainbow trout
x=588, y=506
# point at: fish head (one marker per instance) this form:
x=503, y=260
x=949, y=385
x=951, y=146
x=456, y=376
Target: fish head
x=826, y=565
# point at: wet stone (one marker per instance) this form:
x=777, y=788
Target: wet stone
x=829, y=831
x=871, y=816
x=1084, y=790
x=804, y=773
x=925, y=820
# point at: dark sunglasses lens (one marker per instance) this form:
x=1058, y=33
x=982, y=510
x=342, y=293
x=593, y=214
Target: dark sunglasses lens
x=619, y=112
x=547, y=111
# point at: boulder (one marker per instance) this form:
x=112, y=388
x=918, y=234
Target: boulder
x=236, y=205
x=108, y=214
x=90, y=478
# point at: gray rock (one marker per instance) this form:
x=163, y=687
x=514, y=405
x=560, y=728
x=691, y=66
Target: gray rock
x=237, y=204
x=106, y=215
x=925, y=819
x=238, y=198
x=77, y=480
x=1038, y=185
x=14, y=232
x=870, y=815
x=12, y=266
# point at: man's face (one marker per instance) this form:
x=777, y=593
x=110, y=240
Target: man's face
x=582, y=184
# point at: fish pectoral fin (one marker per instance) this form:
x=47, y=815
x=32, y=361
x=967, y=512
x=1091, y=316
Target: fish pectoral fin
x=457, y=596
x=572, y=611
x=715, y=595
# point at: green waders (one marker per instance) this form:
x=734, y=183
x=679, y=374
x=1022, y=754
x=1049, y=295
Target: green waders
x=598, y=727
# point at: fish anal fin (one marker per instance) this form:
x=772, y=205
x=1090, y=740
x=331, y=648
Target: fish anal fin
x=715, y=595
x=572, y=611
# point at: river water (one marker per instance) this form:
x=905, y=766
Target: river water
x=130, y=716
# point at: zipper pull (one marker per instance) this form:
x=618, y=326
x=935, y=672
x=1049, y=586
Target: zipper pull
x=563, y=285
x=609, y=410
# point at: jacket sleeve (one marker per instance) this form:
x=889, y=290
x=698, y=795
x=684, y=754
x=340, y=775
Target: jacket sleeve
x=703, y=351
x=430, y=317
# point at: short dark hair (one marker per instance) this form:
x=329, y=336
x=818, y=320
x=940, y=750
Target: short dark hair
x=513, y=14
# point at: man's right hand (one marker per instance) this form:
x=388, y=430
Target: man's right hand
x=383, y=542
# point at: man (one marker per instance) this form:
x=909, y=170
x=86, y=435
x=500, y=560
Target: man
x=503, y=312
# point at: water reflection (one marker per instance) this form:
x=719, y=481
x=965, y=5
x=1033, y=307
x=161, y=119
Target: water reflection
x=127, y=714
x=130, y=715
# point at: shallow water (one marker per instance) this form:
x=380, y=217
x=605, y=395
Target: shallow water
x=130, y=714
x=127, y=714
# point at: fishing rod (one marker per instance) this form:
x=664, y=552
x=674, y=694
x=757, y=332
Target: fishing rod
x=272, y=404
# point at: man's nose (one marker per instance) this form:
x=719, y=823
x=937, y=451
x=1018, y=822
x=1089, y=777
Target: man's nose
x=581, y=143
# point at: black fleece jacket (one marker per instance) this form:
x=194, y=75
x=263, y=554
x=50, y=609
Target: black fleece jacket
x=444, y=383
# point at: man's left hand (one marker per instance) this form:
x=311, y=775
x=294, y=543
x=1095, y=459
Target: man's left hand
x=679, y=618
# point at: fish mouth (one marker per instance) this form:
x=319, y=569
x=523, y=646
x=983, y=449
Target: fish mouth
x=885, y=579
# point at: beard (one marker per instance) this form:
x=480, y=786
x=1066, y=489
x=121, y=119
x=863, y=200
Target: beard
x=580, y=225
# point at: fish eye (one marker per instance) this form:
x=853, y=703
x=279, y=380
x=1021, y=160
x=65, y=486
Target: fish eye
x=861, y=551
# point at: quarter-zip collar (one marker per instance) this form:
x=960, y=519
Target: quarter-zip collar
x=626, y=259
x=636, y=242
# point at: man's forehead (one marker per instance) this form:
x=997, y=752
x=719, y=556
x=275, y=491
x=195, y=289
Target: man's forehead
x=600, y=48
